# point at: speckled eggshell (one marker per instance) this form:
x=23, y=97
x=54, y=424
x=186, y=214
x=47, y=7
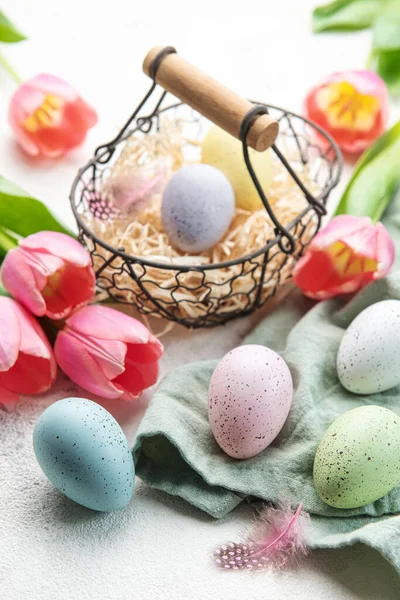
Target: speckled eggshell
x=358, y=459
x=84, y=453
x=197, y=208
x=368, y=360
x=225, y=152
x=249, y=399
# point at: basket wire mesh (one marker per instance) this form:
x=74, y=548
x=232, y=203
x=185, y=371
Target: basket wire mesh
x=193, y=295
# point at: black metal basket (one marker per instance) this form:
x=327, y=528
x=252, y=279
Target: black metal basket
x=191, y=294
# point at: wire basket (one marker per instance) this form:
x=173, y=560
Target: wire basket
x=197, y=295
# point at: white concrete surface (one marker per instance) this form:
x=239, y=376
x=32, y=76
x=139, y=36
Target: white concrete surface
x=158, y=548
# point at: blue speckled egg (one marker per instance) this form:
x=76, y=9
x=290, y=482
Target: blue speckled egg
x=85, y=454
x=197, y=207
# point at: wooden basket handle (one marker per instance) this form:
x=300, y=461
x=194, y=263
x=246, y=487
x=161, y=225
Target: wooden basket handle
x=210, y=98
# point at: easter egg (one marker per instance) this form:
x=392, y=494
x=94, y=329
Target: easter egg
x=84, y=453
x=197, y=207
x=225, y=152
x=358, y=459
x=368, y=359
x=249, y=398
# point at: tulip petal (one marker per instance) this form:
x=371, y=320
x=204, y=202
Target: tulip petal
x=386, y=251
x=60, y=245
x=26, y=100
x=20, y=282
x=84, y=371
x=10, y=334
x=33, y=339
x=8, y=400
x=29, y=375
x=71, y=288
x=315, y=272
x=146, y=353
x=80, y=114
x=137, y=376
x=42, y=265
x=57, y=141
x=27, y=143
x=34, y=369
x=141, y=367
x=338, y=229
x=71, y=130
x=362, y=242
x=107, y=323
x=109, y=354
x=50, y=84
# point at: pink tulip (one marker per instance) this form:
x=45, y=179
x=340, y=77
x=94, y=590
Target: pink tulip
x=353, y=106
x=343, y=257
x=48, y=116
x=50, y=273
x=108, y=353
x=27, y=364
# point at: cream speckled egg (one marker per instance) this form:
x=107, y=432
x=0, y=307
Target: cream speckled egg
x=368, y=360
x=249, y=399
x=358, y=459
x=225, y=152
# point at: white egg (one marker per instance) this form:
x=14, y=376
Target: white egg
x=368, y=360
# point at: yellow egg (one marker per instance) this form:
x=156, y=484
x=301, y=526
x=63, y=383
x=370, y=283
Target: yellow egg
x=223, y=151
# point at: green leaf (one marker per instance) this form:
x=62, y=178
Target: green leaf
x=3, y=291
x=387, y=65
x=22, y=215
x=386, y=32
x=346, y=15
x=386, y=46
x=375, y=178
x=8, y=32
x=7, y=241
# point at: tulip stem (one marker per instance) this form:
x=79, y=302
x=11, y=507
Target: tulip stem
x=58, y=325
x=7, y=242
x=10, y=70
x=370, y=61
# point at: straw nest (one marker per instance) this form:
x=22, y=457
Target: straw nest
x=190, y=293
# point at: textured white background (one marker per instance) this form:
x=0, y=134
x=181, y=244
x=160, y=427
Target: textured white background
x=158, y=548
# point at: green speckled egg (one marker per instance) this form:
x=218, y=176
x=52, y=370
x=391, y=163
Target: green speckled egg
x=85, y=454
x=358, y=459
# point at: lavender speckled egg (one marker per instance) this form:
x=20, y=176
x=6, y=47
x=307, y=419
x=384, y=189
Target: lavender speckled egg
x=358, y=459
x=249, y=399
x=197, y=207
x=368, y=360
x=84, y=453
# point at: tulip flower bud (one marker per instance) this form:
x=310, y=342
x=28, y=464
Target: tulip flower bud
x=353, y=106
x=48, y=116
x=108, y=353
x=343, y=257
x=50, y=273
x=27, y=363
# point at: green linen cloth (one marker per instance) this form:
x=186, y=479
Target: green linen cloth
x=176, y=452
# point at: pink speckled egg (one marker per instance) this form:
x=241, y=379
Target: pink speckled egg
x=249, y=399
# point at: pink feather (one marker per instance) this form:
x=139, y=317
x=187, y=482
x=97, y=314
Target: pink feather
x=276, y=539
